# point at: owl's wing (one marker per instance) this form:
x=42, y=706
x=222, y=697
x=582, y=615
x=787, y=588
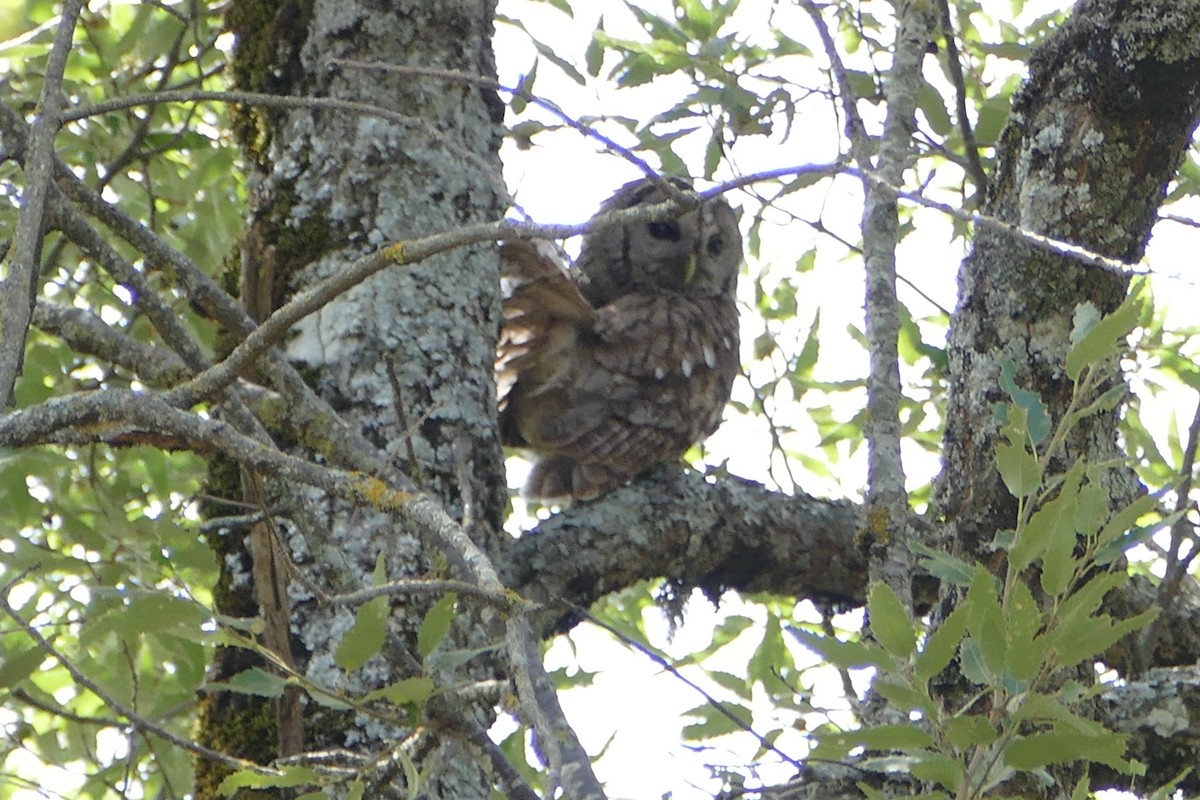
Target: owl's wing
x=660, y=369
x=541, y=304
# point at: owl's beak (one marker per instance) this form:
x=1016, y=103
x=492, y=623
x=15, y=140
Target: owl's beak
x=689, y=270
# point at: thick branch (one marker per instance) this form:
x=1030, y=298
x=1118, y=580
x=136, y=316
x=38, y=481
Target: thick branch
x=732, y=534
x=1161, y=715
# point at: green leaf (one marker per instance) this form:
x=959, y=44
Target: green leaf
x=1018, y=469
x=902, y=697
x=1050, y=525
x=931, y=104
x=992, y=115
x=1083, y=640
x=1037, y=418
x=942, y=565
x=406, y=691
x=1126, y=519
x=1085, y=318
x=846, y=655
x=548, y=53
x=713, y=723
x=890, y=737
x=863, y=85
x=593, y=57
x=1026, y=653
x=658, y=27
x=153, y=612
x=1088, y=597
x=1059, y=564
x=941, y=645
x=938, y=768
x=524, y=88
x=697, y=19
x=436, y=624
x=974, y=668
x=365, y=637
x=890, y=623
x=1043, y=708
x=736, y=684
x=985, y=621
x=1040, y=749
x=562, y=5
x=16, y=667
x=713, y=154
x=1104, y=338
x=290, y=777
x=970, y=730
x=253, y=681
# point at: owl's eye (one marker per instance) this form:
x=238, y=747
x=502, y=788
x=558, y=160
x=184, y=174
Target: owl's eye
x=716, y=243
x=667, y=231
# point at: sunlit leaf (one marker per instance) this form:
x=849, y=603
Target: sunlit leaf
x=436, y=624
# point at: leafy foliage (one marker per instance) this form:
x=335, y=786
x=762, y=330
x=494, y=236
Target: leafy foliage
x=104, y=556
x=1019, y=640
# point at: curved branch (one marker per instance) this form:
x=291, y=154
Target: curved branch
x=730, y=534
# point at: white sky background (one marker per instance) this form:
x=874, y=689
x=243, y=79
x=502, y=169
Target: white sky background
x=633, y=710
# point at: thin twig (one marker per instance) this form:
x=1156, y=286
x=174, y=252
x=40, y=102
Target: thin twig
x=136, y=720
x=88, y=333
x=970, y=146
x=1176, y=568
x=165, y=319
x=264, y=100
x=856, y=131
x=583, y=613
x=419, y=586
x=1049, y=244
x=886, y=496
x=669, y=189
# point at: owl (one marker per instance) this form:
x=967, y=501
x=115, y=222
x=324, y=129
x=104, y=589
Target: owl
x=627, y=359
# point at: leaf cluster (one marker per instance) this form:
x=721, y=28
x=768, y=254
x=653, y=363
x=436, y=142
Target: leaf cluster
x=1021, y=644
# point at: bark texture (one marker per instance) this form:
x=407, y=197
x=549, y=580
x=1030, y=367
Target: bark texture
x=1095, y=135
x=406, y=356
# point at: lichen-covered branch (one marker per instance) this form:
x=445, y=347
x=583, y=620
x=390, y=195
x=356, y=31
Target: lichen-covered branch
x=20, y=287
x=886, y=496
x=727, y=534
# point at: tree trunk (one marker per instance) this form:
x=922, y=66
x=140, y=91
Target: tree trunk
x=406, y=356
x=1095, y=135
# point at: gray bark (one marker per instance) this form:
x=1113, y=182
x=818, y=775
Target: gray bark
x=406, y=356
x=1095, y=135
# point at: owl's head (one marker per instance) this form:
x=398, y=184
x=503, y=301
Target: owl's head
x=698, y=252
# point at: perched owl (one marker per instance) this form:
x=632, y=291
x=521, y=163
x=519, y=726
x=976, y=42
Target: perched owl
x=626, y=361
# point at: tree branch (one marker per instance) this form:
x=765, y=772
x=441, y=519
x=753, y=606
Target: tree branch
x=86, y=333
x=20, y=287
x=970, y=146
x=731, y=534
x=887, y=498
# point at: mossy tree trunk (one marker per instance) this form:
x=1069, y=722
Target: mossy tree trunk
x=406, y=356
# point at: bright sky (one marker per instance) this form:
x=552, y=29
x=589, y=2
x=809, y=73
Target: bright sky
x=632, y=711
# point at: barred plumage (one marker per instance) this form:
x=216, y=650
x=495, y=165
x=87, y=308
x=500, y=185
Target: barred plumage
x=629, y=359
